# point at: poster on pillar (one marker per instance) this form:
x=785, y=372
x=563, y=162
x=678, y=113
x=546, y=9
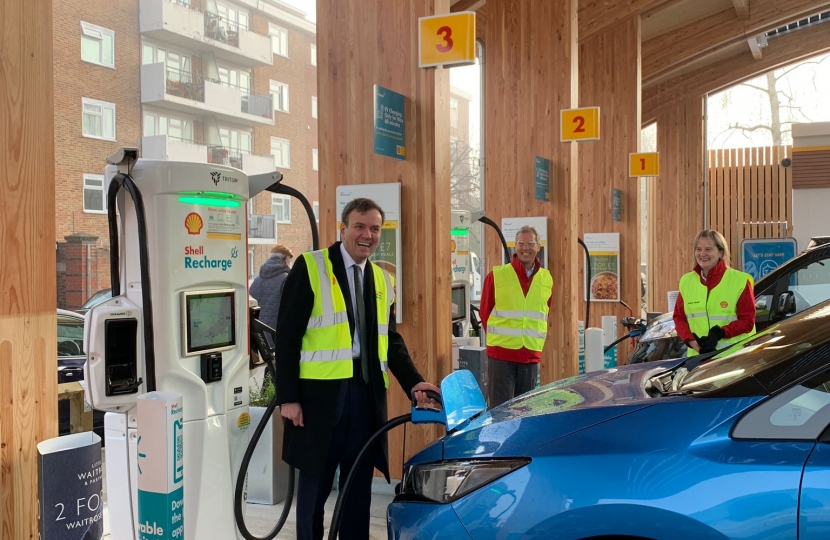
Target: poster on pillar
x=604, y=254
x=390, y=123
x=510, y=227
x=542, y=179
x=388, y=253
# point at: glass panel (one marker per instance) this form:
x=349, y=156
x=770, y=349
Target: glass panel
x=175, y=128
x=109, y=123
x=245, y=82
x=92, y=125
x=93, y=182
x=811, y=285
x=314, y=107
x=162, y=56
x=94, y=200
x=147, y=56
x=149, y=125
x=109, y=49
x=162, y=125
x=243, y=21
x=225, y=137
x=90, y=49
x=246, y=142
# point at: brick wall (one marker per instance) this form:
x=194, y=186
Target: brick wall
x=297, y=126
x=75, y=79
x=78, y=270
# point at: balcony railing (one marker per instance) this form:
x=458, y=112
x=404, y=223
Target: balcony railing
x=184, y=84
x=222, y=155
x=258, y=104
x=223, y=29
x=262, y=227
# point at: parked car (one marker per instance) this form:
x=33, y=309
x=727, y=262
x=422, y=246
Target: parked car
x=71, y=358
x=800, y=283
x=95, y=299
x=735, y=448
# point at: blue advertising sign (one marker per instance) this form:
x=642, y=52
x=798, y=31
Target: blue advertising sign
x=760, y=256
x=389, y=123
x=542, y=179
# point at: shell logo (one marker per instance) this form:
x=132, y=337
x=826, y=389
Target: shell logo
x=724, y=304
x=193, y=223
x=452, y=246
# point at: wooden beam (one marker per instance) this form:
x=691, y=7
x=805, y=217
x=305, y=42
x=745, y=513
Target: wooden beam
x=28, y=325
x=597, y=16
x=670, y=52
x=467, y=5
x=755, y=47
x=782, y=50
x=741, y=9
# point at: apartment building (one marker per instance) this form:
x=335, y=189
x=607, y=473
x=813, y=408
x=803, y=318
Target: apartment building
x=206, y=81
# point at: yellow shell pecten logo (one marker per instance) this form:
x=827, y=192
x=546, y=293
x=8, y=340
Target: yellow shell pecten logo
x=193, y=223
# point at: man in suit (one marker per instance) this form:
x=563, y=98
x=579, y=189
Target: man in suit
x=336, y=336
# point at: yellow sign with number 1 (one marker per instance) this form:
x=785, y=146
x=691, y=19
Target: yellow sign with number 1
x=447, y=40
x=647, y=164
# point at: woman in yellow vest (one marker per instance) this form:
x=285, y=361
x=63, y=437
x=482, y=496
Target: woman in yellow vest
x=716, y=305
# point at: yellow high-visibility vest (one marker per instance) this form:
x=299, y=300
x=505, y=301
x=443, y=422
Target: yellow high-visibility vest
x=326, y=350
x=517, y=320
x=718, y=307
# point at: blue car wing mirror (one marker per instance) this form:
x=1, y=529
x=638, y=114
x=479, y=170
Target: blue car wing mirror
x=462, y=398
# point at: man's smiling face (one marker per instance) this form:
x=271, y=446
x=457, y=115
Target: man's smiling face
x=361, y=234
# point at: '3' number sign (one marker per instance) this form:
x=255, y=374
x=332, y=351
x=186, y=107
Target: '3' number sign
x=447, y=40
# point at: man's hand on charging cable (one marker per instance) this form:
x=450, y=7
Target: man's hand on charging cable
x=293, y=412
x=420, y=392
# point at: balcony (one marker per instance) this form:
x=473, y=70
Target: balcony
x=169, y=148
x=183, y=23
x=262, y=229
x=248, y=163
x=190, y=93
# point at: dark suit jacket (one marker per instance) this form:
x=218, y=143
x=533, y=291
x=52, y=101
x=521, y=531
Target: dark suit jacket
x=306, y=448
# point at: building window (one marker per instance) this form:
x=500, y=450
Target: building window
x=313, y=54
x=235, y=78
x=454, y=113
x=316, y=207
x=95, y=201
x=315, y=160
x=281, y=150
x=97, y=45
x=281, y=208
x=279, y=91
x=279, y=39
x=161, y=124
x=314, y=106
x=99, y=119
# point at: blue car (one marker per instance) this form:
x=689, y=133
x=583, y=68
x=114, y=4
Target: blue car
x=733, y=445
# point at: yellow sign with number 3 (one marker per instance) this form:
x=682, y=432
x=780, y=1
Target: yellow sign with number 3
x=447, y=40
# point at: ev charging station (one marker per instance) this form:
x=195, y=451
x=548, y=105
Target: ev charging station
x=177, y=324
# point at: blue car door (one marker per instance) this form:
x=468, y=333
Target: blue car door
x=814, y=503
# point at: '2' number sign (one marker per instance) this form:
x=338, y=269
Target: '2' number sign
x=579, y=124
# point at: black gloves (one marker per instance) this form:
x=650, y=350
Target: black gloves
x=710, y=343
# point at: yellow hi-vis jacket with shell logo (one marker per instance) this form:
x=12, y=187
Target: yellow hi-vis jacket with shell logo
x=326, y=351
x=705, y=309
x=517, y=320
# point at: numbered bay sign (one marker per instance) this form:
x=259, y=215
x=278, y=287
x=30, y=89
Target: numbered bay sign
x=579, y=124
x=447, y=40
x=647, y=164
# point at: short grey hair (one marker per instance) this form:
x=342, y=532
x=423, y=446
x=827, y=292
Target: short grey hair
x=528, y=229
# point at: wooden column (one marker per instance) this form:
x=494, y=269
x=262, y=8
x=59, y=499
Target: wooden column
x=530, y=75
x=609, y=78
x=675, y=211
x=28, y=327
x=361, y=43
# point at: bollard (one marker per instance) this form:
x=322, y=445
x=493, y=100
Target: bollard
x=593, y=350
x=609, y=332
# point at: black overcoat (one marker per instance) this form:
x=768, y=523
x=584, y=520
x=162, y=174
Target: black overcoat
x=306, y=448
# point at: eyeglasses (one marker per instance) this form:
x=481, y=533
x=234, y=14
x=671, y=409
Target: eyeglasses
x=522, y=244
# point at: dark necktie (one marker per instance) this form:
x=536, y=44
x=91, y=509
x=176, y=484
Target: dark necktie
x=361, y=324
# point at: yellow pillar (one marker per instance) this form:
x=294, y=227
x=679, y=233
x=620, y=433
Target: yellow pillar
x=675, y=211
x=28, y=327
x=609, y=78
x=530, y=75
x=361, y=43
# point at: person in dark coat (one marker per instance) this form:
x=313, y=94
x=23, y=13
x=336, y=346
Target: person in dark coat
x=267, y=286
x=328, y=421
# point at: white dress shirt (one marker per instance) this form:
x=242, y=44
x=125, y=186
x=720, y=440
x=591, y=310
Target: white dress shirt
x=349, y=263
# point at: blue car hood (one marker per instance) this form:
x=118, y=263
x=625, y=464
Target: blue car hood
x=552, y=411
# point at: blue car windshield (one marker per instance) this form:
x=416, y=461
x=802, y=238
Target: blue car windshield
x=778, y=343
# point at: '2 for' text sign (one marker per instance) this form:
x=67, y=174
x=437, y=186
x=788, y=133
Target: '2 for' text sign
x=580, y=124
x=647, y=164
x=447, y=40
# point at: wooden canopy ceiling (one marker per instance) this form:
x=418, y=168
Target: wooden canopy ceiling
x=692, y=47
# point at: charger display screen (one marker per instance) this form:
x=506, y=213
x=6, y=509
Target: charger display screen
x=210, y=323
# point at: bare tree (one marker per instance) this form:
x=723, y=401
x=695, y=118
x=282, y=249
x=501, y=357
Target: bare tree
x=465, y=184
x=777, y=88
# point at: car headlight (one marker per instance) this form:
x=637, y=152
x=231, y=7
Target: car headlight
x=450, y=480
x=661, y=330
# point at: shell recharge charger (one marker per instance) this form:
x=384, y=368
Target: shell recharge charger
x=177, y=323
